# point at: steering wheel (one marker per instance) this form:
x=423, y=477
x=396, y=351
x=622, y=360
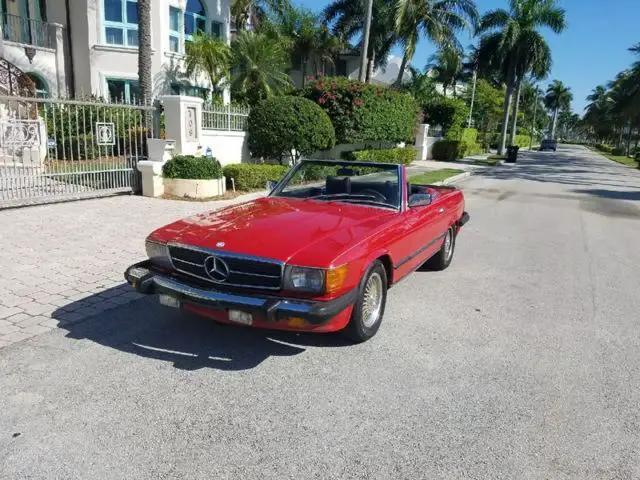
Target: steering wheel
x=374, y=193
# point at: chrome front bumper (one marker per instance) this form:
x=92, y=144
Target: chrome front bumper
x=145, y=280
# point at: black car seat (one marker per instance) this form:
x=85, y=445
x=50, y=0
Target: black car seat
x=337, y=185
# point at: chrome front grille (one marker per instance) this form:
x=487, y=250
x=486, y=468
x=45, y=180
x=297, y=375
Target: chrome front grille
x=243, y=271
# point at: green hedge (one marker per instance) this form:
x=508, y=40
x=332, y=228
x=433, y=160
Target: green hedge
x=248, y=176
x=404, y=155
x=450, y=113
x=521, y=141
x=469, y=135
x=604, y=148
x=451, y=150
x=281, y=124
x=362, y=112
x=191, y=167
x=618, y=151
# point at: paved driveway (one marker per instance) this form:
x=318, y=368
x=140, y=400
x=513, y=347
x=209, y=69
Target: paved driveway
x=520, y=361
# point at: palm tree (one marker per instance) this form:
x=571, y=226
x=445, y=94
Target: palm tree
x=209, y=56
x=144, y=56
x=347, y=18
x=445, y=67
x=259, y=67
x=558, y=97
x=420, y=85
x=438, y=20
x=508, y=36
x=245, y=12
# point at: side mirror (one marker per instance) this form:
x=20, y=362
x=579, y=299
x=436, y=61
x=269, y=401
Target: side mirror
x=271, y=185
x=419, y=200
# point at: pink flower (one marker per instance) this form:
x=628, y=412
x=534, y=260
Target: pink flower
x=321, y=100
x=357, y=102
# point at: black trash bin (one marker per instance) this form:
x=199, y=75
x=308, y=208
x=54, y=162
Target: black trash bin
x=512, y=154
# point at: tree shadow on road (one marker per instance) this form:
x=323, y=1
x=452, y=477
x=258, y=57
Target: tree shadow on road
x=147, y=329
x=633, y=195
x=572, y=169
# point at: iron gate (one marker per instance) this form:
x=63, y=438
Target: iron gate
x=54, y=150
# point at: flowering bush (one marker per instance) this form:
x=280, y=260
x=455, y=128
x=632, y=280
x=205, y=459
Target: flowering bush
x=364, y=113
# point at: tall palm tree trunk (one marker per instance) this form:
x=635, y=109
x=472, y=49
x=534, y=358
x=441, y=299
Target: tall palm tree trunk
x=514, y=117
x=370, y=67
x=505, y=113
x=554, y=122
x=403, y=67
x=144, y=56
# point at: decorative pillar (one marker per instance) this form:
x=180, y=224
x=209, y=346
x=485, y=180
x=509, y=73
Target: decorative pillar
x=60, y=70
x=421, y=142
x=183, y=122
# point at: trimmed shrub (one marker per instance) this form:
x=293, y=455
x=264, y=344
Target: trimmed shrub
x=248, y=176
x=191, y=167
x=618, y=151
x=281, y=124
x=469, y=135
x=403, y=156
x=449, y=113
x=603, y=148
x=446, y=150
x=361, y=112
x=82, y=147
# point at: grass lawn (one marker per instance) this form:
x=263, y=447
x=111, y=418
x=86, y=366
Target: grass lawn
x=434, y=176
x=623, y=159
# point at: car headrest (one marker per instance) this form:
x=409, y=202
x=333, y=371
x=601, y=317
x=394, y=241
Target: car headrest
x=338, y=185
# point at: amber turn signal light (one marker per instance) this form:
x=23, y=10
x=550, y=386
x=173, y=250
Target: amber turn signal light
x=335, y=278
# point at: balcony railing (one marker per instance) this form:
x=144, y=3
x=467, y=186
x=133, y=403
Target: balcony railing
x=27, y=31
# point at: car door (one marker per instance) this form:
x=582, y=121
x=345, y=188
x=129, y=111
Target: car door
x=419, y=242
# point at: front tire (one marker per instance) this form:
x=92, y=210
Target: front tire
x=369, y=308
x=442, y=259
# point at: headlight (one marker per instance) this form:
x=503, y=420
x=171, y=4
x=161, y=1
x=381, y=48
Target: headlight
x=158, y=253
x=302, y=279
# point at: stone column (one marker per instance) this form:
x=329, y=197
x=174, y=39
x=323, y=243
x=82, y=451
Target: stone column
x=60, y=70
x=421, y=142
x=183, y=123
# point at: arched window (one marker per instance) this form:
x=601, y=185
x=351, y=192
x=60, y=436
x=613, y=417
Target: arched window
x=42, y=88
x=195, y=19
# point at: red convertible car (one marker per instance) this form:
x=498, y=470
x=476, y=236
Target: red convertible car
x=317, y=254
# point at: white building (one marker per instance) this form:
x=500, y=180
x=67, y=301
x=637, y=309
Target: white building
x=91, y=46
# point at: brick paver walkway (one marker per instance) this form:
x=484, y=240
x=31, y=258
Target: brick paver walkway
x=64, y=263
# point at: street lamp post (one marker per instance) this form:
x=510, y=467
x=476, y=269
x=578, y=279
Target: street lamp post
x=365, y=41
x=473, y=97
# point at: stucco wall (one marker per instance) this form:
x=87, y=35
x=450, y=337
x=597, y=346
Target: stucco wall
x=226, y=147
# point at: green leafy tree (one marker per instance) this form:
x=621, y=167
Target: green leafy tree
x=438, y=20
x=421, y=85
x=511, y=43
x=209, y=56
x=259, y=67
x=487, y=109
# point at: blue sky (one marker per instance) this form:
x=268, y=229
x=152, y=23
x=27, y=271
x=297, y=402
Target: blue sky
x=591, y=51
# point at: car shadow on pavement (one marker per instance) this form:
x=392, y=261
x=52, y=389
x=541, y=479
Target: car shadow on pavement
x=145, y=328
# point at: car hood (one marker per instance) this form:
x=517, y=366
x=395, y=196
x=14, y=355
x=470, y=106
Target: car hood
x=303, y=232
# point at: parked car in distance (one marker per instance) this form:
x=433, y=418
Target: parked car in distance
x=317, y=254
x=549, y=144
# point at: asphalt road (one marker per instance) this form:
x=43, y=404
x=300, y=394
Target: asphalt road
x=522, y=361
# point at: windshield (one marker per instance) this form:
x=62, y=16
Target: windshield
x=346, y=182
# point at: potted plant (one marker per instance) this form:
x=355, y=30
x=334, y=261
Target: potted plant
x=193, y=177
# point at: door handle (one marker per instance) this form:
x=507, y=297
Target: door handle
x=441, y=210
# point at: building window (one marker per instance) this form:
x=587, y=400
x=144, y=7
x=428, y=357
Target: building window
x=216, y=29
x=195, y=19
x=121, y=22
x=125, y=91
x=174, y=29
x=190, y=90
x=41, y=87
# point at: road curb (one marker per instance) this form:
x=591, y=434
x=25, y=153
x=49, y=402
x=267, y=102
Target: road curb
x=454, y=179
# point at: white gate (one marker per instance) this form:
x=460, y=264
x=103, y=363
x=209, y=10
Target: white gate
x=54, y=150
